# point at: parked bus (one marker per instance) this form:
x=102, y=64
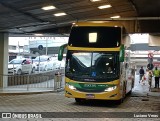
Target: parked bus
x=97, y=62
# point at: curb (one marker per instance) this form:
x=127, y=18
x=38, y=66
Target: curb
x=29, y=93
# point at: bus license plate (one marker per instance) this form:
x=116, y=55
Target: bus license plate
x=90, y=96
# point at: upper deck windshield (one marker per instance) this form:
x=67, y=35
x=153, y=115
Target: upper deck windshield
x=92, y=66
x=103, y=37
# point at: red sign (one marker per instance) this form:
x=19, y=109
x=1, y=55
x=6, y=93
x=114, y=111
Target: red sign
x=156, y=64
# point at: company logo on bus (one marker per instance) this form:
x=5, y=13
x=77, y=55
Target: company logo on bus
x=89, y=85
x=91, y=80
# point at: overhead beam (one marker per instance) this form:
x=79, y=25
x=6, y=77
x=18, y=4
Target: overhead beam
x=132, y=25
x=150, y=26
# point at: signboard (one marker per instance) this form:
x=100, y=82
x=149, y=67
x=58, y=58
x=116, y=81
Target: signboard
x=40, y=47
x=156, y=64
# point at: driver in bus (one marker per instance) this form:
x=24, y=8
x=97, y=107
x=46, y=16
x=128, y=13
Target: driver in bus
x=109, y=70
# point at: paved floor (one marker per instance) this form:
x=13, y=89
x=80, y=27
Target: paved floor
x=140, y=101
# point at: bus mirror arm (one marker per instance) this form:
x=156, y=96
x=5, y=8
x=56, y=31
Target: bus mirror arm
x=121, y=54
x=60, y=51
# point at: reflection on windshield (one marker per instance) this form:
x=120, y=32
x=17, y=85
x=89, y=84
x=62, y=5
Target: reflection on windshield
x=15, y=61
x=92, y=65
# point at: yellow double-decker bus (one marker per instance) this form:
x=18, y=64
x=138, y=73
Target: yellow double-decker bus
x=97, y=62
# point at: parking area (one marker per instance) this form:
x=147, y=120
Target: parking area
x=55, y=106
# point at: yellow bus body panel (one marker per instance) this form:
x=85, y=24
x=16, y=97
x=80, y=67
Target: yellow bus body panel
x=112, y=95
x=98, y=23
x=93, y=49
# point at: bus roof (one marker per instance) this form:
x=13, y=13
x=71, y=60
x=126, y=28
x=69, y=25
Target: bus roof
x=98, y=23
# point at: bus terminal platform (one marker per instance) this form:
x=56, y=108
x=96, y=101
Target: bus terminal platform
x=141, y=100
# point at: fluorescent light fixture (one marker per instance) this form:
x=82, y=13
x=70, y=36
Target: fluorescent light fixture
x=95, y=0
x=93, y=37
x=48, y=7
x=115, y=17
x=38, y=34
x=60, y=14
x=104, y=6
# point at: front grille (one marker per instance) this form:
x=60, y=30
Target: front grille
x=90, y=90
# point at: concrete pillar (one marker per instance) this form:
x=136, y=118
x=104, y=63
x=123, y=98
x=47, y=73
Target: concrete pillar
x=3, y=59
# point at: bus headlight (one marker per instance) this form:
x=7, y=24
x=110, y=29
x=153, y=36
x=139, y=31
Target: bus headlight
x=110, y=89
x=71, y=87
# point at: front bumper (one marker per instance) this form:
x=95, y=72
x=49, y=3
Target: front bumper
x=111, y=95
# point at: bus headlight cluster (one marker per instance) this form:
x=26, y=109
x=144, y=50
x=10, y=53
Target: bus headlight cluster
x=110, y=89
x=71, y=86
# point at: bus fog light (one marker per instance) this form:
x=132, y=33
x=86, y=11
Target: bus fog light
x=110, y=88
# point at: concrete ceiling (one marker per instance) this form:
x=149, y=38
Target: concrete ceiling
x=27, y=17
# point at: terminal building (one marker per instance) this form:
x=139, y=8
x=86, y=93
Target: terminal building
x=83, y=87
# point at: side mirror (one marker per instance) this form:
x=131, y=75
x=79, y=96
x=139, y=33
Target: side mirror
x=121, y=54
x=60, y=52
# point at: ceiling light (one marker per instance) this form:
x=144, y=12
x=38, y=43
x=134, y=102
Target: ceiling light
x=115, y=17
x=38, y=34
x=60, y=14
x=104, y=6
x=48, y=7
x=94, y=0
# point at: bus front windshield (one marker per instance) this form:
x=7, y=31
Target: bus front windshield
x=92, y=66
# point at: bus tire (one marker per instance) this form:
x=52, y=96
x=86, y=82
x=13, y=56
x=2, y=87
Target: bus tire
x=130, y=92
x=118, y=102
x=79, y=100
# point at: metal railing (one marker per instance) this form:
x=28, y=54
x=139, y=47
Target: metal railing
x=46, y=81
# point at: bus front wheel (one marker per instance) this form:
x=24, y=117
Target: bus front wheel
x=79, y=100
x=118, y=102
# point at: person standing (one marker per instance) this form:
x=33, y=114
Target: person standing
x=141, y=73
x=156, y=74
x=150, y=75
